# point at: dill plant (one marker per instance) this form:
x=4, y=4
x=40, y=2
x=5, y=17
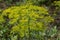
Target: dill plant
x=26, y=19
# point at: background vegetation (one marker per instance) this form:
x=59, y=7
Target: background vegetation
x=29, y=19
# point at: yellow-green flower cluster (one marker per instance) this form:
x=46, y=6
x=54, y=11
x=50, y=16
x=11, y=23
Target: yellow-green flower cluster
x=27, y=17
